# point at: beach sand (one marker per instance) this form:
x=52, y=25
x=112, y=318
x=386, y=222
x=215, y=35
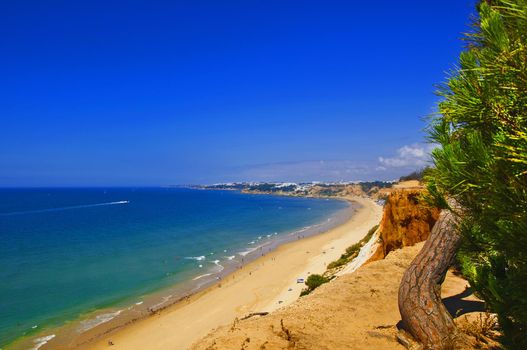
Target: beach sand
x=353, y=311
x=264, y=285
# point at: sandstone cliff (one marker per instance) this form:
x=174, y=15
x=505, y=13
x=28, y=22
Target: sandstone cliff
x=406, y=221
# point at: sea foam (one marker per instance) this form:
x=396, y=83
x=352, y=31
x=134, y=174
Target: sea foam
x=217, y=263
x=201, y=276
x=197, y=258
x=99, y=319
x=39, y=342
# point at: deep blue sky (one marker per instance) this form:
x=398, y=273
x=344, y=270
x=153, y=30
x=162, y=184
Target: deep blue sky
x=170, y=92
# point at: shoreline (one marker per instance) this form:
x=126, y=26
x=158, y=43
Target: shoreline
x=262, y=285
x=95, y=324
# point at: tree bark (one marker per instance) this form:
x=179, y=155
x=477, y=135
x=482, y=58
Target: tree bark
x=423, y=313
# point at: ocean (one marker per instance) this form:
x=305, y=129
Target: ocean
x=66, y=253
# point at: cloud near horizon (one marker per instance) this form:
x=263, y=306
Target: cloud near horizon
x=415, y=155
x=406, y=159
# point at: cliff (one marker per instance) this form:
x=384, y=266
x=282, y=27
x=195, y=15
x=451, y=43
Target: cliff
x=406, y=221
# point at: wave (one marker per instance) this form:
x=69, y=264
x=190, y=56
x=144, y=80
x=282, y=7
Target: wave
x=38, y=211
x=197, y=258
x=163, y=301
x=248, y=251
x=39, y=342
x=99, y=319
x=201, y=276
x=217, y=263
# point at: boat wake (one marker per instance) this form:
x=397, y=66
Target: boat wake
x=38, y=211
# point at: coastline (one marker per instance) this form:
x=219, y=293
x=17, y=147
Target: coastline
x=95, y=323
x=262, y=285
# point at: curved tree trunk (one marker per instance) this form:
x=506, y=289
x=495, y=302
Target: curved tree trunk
x=423, y=314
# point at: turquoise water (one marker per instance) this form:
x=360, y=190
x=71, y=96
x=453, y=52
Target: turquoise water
x=64, y=252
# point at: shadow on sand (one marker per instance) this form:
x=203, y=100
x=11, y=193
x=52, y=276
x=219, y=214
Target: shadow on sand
x=457, y=306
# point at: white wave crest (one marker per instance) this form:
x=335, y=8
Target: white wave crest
x=248, y=251
x=99, y=319
x=197, y=258
x=201, y=276
x=217, y=263
x=39, y=342
x=164, y=300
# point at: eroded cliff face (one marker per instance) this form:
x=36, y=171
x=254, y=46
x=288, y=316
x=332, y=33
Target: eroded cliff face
x=406, y=221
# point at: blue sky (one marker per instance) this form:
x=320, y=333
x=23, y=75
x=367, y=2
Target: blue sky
x=100, y=93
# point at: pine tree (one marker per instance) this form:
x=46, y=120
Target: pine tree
x=481, y=161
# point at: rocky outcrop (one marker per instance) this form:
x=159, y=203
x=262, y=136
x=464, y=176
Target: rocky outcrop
x=406, y=221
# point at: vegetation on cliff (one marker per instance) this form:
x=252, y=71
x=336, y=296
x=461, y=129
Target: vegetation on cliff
x=313, y=282
x=482, y=160
x=415, y=175
x=353, y=250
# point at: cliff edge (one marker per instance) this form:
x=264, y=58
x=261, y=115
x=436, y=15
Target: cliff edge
x=405, y=222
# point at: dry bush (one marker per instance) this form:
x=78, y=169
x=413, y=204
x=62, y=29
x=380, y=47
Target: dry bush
x=483, y=329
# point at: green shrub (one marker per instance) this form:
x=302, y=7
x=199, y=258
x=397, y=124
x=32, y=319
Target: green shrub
x=367, y=186
x=337, y=263
x=416, y=175
x=304, y=292
x=354, y=248
x=352, y=251
x=313, y=282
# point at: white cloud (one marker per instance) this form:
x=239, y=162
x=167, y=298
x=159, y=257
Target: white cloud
x=409, y=156
x=406, y=159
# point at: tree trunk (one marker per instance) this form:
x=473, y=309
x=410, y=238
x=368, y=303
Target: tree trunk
x=423, y=313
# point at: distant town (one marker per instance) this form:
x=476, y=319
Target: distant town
x=375, y=189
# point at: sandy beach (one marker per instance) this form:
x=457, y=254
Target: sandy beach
x=356, y=311
x=264, y=285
